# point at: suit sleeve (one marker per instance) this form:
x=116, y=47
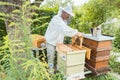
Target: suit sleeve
x=65, y=29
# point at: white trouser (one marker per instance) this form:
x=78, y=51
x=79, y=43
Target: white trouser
x=50, y=55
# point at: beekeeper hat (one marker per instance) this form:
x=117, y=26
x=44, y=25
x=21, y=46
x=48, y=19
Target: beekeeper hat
x=68, y=9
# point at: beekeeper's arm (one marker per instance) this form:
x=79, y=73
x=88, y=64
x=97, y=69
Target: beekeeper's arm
x=66, y=30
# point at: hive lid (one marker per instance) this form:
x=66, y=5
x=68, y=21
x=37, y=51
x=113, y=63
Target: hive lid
x=68, y=48
x=37, y=37
x=101, y=38
x=65, y=48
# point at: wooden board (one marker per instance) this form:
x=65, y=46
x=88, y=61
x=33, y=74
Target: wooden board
x=95, y=53
x=98, y=71
x=98, y=44
x=97, y=65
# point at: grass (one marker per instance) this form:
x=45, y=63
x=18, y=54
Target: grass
x=114, y=64
x=107, y=76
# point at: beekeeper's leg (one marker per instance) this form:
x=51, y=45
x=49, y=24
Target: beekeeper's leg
x=50, y=57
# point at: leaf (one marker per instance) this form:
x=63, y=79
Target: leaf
x=34, y=8
x=2, y=18
x=7, y=3
x=40, y=18
x=12, y=24
x=16, y=11
x=4, y=14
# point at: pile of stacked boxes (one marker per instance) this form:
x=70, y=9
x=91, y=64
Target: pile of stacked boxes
x=71, y=59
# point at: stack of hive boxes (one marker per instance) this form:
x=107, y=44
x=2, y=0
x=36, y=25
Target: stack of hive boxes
x=71, y=60
x=70, y=63
x=100, y=54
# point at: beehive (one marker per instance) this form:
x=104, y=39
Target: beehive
x=100, y=53
x=37, y=40
x=70, y=60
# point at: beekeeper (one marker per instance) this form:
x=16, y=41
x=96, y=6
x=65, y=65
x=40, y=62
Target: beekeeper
x=56, y=31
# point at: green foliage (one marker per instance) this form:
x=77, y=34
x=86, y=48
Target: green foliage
x=77, y=23
x=2, y=34
x=2, y=31
x=4, y=54
x=117, y=39
x=42, y=20
x=27, y=70
x=114, y=63
x=108, y=76
x=17, y=61
x=53, y=3
x=16, y=58
x=94, y=13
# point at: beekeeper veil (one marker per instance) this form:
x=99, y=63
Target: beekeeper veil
x=67, y=9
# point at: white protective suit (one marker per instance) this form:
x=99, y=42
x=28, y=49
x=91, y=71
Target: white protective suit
x=56, y=31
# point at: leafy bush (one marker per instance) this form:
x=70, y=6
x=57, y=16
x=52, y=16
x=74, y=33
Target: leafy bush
x=114, y=64
x=108, y=76
x=42, y=19
x=2, y=31
x=117, y=40
x=17, y=61
x=93, y=13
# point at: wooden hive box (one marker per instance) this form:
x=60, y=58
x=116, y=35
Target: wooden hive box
x=98, y=48
x=98, y=44
x=98, y=62
x=100, y=53
x=37, y=40
x=71, y=61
